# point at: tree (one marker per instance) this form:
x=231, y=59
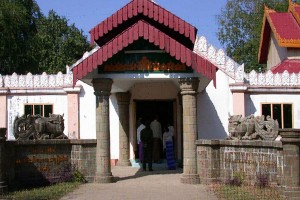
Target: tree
x=32, y=42
x=59, y=43
x=240, y=24
x=17, y=31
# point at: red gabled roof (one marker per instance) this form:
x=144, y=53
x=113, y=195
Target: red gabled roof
x=143, y=29
x=290, y=65
x=142, y=9
x=285, y=27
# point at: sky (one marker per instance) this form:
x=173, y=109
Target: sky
x=86, y=14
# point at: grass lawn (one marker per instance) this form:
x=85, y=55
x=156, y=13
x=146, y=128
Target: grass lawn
x=52, y=192
x=231, y=192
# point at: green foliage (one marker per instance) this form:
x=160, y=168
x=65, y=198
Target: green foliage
x=79, y=177
x=32, y=42
x=59, y=43
x=231, y=192
x=17, y=35
x=237, y=179
x=52, y=192
x=240, y=24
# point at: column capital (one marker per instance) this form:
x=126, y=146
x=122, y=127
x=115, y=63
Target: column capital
x=189, y=85
x=123, y=97
x=102, y=86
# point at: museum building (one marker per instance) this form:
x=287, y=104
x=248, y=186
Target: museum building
x=146, y=61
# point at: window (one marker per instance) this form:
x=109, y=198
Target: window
x=38, y=109
x=282, y=112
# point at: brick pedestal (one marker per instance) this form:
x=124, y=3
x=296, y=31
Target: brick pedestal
x=3, y=183
x=291, y=162
x=123, y=104
x=189, y=88
x=102, y=89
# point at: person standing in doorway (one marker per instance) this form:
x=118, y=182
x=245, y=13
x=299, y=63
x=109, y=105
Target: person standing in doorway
x=139, y=142
x=168, y=148
x=147, y=140
x=157, y=139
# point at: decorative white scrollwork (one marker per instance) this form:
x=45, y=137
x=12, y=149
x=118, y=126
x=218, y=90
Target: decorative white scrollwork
x=269, y=78
x=211, y=54
x=52, y=80
x=285, y=78
x=293, y=79
x=14, y=81
x=216, y=56
x=36, y=81
x=220, y=59
x=44, y=80
x=29, y=80
x=261, y=79
x=59, y=79
x=277, y=80
x=1, y=81
x=253, y=78
x=239, y=74
x=22, y=81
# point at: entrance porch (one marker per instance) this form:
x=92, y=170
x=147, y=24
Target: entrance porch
x=143, y=52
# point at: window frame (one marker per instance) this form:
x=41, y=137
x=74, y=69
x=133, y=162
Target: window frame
x=281, y=110
x=38, y=104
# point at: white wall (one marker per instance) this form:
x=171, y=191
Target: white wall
x=15, y=107
x=114, y=126
x=255, y=100
x=213, y=107
x=87, y=112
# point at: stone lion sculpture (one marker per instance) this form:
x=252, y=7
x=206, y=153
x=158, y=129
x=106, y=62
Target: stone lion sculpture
x=37, y=127
x=252, y=128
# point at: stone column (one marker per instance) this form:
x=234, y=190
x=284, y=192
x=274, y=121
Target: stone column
x=3, y=184
x=189, y=87
x=291, y=162
x=123, y=104
x=102, y=89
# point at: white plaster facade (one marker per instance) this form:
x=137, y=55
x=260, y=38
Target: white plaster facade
x=214, y=105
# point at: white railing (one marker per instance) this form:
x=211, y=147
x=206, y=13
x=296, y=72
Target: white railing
x=37, y=81
x=270, y=79
x=236, y=71
x=218, y=57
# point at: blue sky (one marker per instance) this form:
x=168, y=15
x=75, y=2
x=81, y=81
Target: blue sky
x=85, y=14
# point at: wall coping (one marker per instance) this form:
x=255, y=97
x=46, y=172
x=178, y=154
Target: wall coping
x=244, y=143
x=53, y=141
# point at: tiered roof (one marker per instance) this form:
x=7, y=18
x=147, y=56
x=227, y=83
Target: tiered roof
x=286, y=29
x=147, y=20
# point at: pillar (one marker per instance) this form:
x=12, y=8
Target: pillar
x=291, y=162
x=3, y=183
x=73, y=112
x=3, y=107
x=189, y=87
x=239, y=103
x=102, y=89
x=239, y=99
x=123, y=99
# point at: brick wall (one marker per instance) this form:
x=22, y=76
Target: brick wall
x=221, y=159
x=47, y=161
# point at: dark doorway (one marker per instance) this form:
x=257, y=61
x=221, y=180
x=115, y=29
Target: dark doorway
x=148, y=109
